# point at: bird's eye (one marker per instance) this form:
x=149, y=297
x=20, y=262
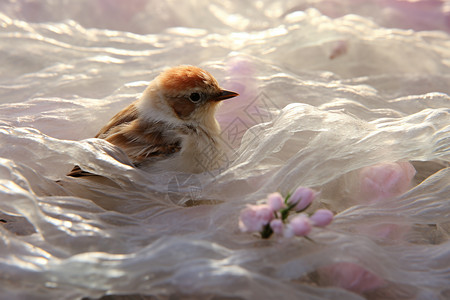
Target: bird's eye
x=195, y=97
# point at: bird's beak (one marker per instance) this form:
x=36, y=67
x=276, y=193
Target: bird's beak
x=225, y=95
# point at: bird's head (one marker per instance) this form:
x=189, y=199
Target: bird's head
x=185, y=93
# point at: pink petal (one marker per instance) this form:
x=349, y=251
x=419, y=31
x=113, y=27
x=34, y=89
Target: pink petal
x=303, y=197
x=300, y=225
x=277, y=226
x=254, y=217
x=321, y=218
x=384, y=181
x=275, y=201
x=350, y=276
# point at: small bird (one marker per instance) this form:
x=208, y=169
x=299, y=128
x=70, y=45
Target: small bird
x=172, y=126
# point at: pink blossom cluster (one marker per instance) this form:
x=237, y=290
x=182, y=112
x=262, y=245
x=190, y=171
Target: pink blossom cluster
x=273, y=216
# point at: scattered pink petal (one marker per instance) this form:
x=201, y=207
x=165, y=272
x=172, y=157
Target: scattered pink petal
x=339, y=49
x=321, y=218
x=303, y=197
x=300, y=225
x=254, y=217
x=384, y=181
x=350, y=276
x=277, y=226
x=275, y=201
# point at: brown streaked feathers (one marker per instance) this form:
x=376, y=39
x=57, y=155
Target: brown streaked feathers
x=126, y=115
x=140, y=140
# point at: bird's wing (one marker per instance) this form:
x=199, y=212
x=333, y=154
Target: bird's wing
x=140, y=140
x=126, y=115
x=145, y=140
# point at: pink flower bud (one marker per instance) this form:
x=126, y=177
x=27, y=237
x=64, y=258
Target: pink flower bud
x=321, y=218
x=303, y=197
x=300, y=225
x=254, y=217
x=275, y=201
x=277, y=226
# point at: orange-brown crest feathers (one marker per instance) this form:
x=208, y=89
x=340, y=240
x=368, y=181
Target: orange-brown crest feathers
x=183, y=78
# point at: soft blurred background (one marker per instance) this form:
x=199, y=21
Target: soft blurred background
x=146, y=17
x=348, y=97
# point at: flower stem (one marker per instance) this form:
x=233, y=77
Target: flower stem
x=285, y=212
x=266, y=232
